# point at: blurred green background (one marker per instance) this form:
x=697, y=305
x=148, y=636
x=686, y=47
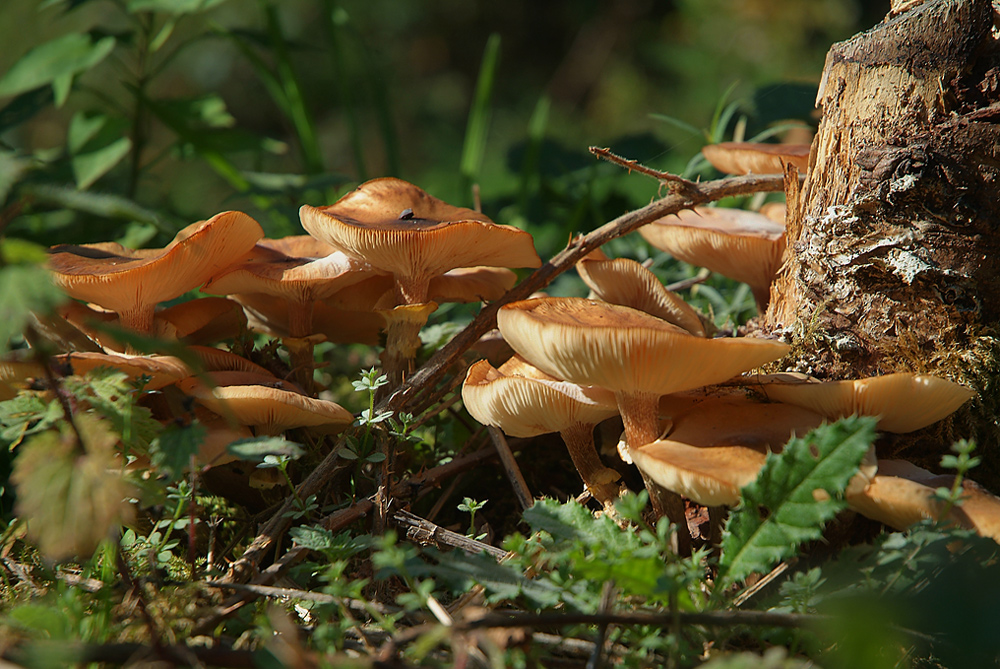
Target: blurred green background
x=191, y=107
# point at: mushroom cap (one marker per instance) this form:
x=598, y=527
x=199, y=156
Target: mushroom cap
x=291, y=278
x=742, y=245
x=758, y=158
x=269, y=314
x=163, y=370
x=719, y=446
x=217, y=360
x=272, y=410
x=471, y=284
x=206, y=320
x=626, y=282
x=119, y=278
x=398, y=228
x=526, y=406
x=902, y=494
x=904, y=402
x=623, y=349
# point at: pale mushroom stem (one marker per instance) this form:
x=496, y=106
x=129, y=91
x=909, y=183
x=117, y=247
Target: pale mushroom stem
x=601, y=481
x=640, y=416
x=402, y=340
x=300, y=347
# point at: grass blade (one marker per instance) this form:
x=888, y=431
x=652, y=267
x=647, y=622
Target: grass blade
x=479, y=115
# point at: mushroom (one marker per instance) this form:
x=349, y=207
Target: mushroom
x=271, y=410
x=626, y=282
x=901, y=494
x=637, y=356
x=742, y=245
x=523, y=401
x=755, y=157
x=132, y=282
x=904, y=402
x=161, y=370
x=399, y=229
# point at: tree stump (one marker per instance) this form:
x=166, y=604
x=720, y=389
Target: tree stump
x=893, y=259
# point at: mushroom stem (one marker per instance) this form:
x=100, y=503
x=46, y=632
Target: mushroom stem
x=601, y=481
x=138, y=318
x=640, y=416
x=411, y=290
x=402, y=340
x=300, y=346
x=762, y=296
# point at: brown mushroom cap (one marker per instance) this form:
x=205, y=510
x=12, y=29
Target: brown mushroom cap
x=132, y=282
x=904, y=402
x=626, y=282
x=758, y=158
x=623, y=349
x=523, y=406
x=272, y=410
x=902, y=494
x=742, y=245
x=269, y=314
x=163, y=370
x=719, y=446
x=398, y=228
x=471, y=284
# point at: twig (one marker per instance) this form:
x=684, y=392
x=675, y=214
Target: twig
x=511, y=469
x=424, y=531
x=707, y=618
x=425, y=379
x=607, y=594
x=681, y=184
x=337, y=521
x=700, y=277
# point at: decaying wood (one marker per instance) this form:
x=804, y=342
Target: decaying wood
x=893, y=257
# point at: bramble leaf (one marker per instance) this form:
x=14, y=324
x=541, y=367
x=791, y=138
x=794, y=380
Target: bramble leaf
x=795, y=494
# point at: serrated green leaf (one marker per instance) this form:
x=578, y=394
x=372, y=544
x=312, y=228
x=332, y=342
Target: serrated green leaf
x=109, y=393
x=25, y=289
x=58, y=59
x=26, y=414
x=171, y=452
x=259, y=447
x=788, y=488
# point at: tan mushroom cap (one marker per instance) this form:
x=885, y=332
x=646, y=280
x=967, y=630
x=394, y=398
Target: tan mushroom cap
x=757, y=158
x=523, y=406
x=904, y=402
x=14, y=372
x=398, y=228
x=272, y=410
x=626, y=282
x=217, y=360
x=132, y=282
x=269, y=314
x=719, y=446
x=163, y=370
x=902, y=494
x=471, y=284
x=742, y=245
x=623, y=349
x=206, y=320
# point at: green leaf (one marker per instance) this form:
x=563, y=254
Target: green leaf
x=89, y=167
x=800, y=490
x=478, y=126
x=259, y=447
x=26, y=289
x=12, y=168
x=172, y=451
x=175, y=7
x=71, y=494
x=58, y=59
x=26, y=414
x=24, y=107
x=16, y=251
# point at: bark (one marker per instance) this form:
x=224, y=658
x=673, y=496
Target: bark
x=893, y=260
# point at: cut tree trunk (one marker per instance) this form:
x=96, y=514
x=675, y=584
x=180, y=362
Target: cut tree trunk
x=893, y=260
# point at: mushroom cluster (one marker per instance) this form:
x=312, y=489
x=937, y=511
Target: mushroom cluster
x=375, y=261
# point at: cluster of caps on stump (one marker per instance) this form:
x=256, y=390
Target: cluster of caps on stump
x=697, y=422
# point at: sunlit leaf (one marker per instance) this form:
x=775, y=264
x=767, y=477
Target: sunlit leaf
x=172, y=451
x=176, y=7
x=260, y=447
x=795, y=494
